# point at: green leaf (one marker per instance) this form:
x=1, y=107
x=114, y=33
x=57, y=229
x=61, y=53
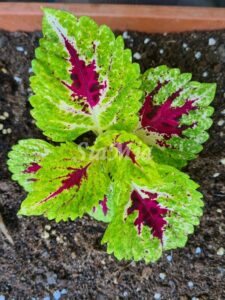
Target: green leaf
x=118, y=149
x=84, y=79
x=25, y=160
x=70, y=183
x=155, y=210
x=175, y=115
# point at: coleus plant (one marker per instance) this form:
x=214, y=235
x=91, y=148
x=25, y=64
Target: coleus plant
x=147, y=126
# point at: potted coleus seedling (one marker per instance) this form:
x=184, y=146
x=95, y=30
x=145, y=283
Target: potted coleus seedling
x=147, y=127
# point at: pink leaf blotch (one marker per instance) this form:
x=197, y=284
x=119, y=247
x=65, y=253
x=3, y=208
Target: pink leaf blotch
x=85, y=87
x=164, y=119
x=150, y=213
x=104, y=206
x=72, y=179
x=32, y=168
x=124, y=150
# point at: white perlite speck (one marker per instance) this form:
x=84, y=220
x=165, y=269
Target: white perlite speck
x=205, y=74
x=1, y=126
x=6, y=114
x=211, y=42
x=223, y=112
x=216, y=175
x=162, y=276
x=146, y=40
x=184, y=45
x=157, y=296
x=137, y=55
x=220, y=251
x=45, y=235
x=20, y=49
x=220, y=122
x=190, y=284
x=198, y=55
x=161, y=51
x=17, y=79
x=126, y=35
x=222, y=161
x=169, y=258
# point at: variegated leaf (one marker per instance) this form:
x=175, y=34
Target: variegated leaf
x=155, y=210
x=70, y=183
x=175, y=115
x=84, y=79
x=26, y=159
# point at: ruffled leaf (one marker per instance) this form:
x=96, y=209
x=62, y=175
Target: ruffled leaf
x=70, y=183
x=155, y=210
x=25, y=160
x=84, y=79
x=175, y=115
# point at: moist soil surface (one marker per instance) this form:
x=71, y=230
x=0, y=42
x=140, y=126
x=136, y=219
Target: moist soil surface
x=66, y=260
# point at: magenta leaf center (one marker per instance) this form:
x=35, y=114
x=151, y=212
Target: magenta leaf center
x=32, y=168
x=72, y=179
x=150, y=213
x=164, y=119
x=85, y=87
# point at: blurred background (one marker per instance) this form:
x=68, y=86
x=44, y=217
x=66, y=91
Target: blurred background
x=212, y=3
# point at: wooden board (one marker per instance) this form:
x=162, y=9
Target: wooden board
x=146, y=18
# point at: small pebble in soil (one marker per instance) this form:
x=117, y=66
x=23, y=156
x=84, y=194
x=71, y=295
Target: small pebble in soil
x=162, y=276
x=190, y=284
x=220, y=122
x=223, y=112
x=1, y=126
x=198, y=250
x=125, y=294
x=146, y=40
x=4, y=131
x=161, y=51
x=198, y=55
x=6, y=114
x=169, y=258
x=47, y=227
x=220, y=251
x=126, y=35
x=184, y=45
x=205, y=74
x=222, y=161
x=63, y=291
x=51, y=278
x=45, y=235
x=157, y=296
x=4, y=71
x=219, y=210
x=57, y=295
x=137, y=55
x=9, y=130
x=216, y=175
x=211, y=41
x=20, y=49
x=17, y=79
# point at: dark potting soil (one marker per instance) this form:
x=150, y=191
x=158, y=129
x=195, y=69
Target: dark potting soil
x=67, y=260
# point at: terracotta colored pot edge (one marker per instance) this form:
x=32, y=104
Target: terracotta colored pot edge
x=158, y=19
